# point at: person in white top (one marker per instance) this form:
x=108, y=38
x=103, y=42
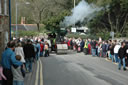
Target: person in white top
x=116, y=49
x=19, y=51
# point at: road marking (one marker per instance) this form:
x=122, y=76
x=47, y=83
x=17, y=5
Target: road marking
x=37, y=74
x=41, y=73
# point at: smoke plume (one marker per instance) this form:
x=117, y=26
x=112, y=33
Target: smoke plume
x=80, y=12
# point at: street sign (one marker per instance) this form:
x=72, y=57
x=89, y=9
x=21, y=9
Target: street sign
x=62, y=29
x=73, y=29
x=112, y=35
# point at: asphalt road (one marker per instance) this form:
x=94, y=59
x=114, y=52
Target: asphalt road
x=79, y=69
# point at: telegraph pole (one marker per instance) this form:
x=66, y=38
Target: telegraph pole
x=74, y=9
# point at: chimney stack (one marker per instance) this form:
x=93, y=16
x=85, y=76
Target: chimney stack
x=22, y=20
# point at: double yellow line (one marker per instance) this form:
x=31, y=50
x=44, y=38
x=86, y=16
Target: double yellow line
x=39, y=73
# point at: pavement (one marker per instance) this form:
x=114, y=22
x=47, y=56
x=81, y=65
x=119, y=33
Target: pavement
x=36, y=76
x=75, y=69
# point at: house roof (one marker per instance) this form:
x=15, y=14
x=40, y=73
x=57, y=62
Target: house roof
x=31, y=27
x=19, y=27
x=24, y=27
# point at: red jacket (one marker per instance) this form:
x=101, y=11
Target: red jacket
x=41, y=47
x=69, y=42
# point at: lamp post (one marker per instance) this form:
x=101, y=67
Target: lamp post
x=74, y=3
x=74, y=9
x=27, y=3
x=10, y=19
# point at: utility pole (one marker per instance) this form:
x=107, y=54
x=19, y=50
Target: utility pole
x=10, y=20
x=27, y=3
x=74, y=9
x=16, y=21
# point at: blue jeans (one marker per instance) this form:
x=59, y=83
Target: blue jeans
x=116, y=57
x=41, y=53
x=37, y=55
x=93, y=52
x=98, y=54
x=29, y=65
x=112, y=57
x=119, y=66
x=103, y=54
x=15, y=82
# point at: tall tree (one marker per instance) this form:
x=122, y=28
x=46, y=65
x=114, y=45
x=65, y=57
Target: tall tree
x=113, y=18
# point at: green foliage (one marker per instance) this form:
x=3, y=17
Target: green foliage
x=127, y=34
x=27, y=33
x=53, y=23
x=113, y=18
x=51, y=15
x=103, y=35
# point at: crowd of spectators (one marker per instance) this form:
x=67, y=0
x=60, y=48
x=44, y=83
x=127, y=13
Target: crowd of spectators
x=18, y=58
x=19, y=55
x=116, y=51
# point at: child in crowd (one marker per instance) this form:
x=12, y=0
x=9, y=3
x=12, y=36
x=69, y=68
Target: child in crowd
x=18, y=75
x=46, y=49
x=99, y=50
x=1, y=75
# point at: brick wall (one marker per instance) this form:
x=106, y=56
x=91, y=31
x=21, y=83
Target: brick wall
x=4, y=27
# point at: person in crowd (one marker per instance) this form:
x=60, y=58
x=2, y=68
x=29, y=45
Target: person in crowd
x=98, y=50
x=68, y=43
x=104, y=49
x=81, y=45
x=19, y=51
x=46, y=49
x=53, y=42
x=116, y=49
x=71, y=44
x=86, y=47
x=8, y=59
x=121, y=54
x=41, y=48
x=42, y=40
x=93, y=45
x=2, y=75
x=37, y=50
x=109, y=54
x=74, y=44
x=78, y=45
x=29, y=55
x=89, y=47
x=107, y=49
x=18, y=77
x=126, y=53
x=112, y=52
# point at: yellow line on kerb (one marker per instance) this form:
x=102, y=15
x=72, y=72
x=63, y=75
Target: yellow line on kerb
x=37, y=74
x=41, y=73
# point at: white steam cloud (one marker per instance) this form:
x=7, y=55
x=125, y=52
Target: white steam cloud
x=80, y=12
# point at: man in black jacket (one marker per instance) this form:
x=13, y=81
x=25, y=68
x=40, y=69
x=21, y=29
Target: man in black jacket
x=29, y=55
x=126, y=53
x=121, y=54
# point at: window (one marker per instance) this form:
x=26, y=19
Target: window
x=0, y=8
x=5, y=7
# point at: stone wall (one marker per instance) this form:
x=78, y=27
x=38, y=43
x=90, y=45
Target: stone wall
x=4, y=28
x=4, y=32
